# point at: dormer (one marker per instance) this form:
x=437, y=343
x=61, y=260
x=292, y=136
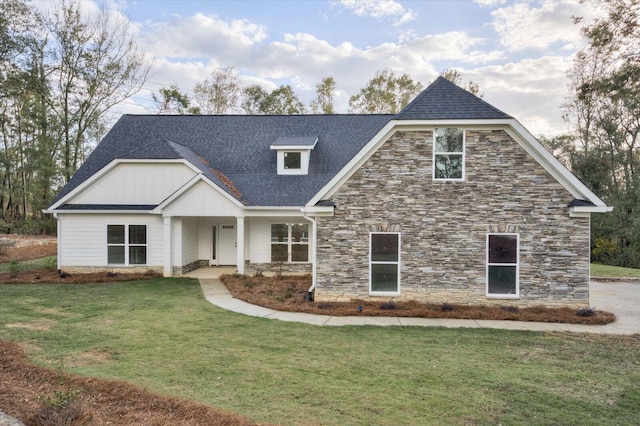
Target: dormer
x=294, y=153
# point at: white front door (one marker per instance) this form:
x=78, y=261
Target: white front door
x=227, y=253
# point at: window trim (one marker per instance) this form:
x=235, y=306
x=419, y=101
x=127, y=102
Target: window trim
x=517, y=266
x=290, y=242
x=463, y=153
x=127, y=245
x=379, y=262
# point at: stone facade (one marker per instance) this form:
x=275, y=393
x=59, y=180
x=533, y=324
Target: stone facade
x=141, y=269
x=444, y=225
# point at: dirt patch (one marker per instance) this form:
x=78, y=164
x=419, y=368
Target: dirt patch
x=288, y=293
x=26, y=247
x=39, y=396
x=88, y=358
x=41, y=324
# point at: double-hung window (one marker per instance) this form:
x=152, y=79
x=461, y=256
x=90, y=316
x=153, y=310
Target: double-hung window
x=503, y=265
x=448, y=153
x=384, y=263
x=289, y=242
x=127, y=244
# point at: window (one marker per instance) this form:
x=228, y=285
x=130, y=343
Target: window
x=127, y=244
x=289, y=242
x=384, y=264
x=502, y=265
x=292, y=160
x=448, y=153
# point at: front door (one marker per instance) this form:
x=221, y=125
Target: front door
x=227, y=252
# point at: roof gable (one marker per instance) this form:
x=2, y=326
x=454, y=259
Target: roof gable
x=443, y=100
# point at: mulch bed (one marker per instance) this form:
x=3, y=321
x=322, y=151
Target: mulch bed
x=51, y=276
x=39, y=396
x=288, y=293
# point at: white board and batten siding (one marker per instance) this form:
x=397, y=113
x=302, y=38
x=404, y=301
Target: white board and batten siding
x=84, y=237
x=202, y=200
x=136, y=183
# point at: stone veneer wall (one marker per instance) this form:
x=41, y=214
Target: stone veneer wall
x=141, y=269
x=444, y=225
x=276, y=267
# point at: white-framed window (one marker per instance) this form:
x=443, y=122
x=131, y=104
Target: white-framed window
x=127, y=244
x=384, y=263
x=448, y=153
x=289, y=242
x=503, y=265
x=292, y=160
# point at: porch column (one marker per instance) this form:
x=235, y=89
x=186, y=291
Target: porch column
x=168, y=270
x=240, y=243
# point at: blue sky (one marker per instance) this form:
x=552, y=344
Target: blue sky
x=517, y=51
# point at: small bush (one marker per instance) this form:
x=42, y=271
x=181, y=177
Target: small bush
x=512, y=309
x=389, y=306
x=248, y=283
x=61, y=408
x=446, y=307
x=586, y=312
x=258, y=274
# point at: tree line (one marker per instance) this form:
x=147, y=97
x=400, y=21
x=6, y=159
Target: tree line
x=62, y=72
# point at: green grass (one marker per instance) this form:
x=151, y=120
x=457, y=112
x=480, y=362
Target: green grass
x=598, y=270
x=162, y=335
x=24, y=265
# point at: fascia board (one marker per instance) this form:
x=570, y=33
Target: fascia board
x=61, y=212
x=318, y=211
x=269, y=211
x=582, y=211
x=200, y=177
x=106, y=169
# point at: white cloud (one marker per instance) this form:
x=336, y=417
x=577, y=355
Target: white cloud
x=524, y=26
x=379, y=9
x=531, y=90
x=490, y=2
x=202, y=35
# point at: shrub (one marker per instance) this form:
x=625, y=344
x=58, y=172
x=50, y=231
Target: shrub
x=446, y=307
x=586, y=312
x=389, y=306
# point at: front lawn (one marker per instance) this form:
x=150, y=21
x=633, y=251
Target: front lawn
x=162, y=335
x=606, y=271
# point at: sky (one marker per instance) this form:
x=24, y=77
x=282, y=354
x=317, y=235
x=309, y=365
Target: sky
x=519, y=52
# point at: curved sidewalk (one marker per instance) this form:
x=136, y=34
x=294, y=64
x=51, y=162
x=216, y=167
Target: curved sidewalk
x=216, y=293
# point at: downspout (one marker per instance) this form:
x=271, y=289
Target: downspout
x=313, y=255
x=59, y=243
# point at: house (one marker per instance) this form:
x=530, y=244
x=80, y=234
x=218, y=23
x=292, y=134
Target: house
x=451, y=200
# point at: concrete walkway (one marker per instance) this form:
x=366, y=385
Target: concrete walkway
x=621, y=298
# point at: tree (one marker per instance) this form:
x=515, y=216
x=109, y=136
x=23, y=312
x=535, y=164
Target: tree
x=219, y=94
x=325, y=93
x=281, y=101
x=59, y=75
x=604, y=111
x=98, y=66
x=170, y=100
x=253, y=97
x=385, y=93
x=454, y=76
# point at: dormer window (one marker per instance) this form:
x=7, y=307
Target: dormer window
x=294, y=154
x=292, y=160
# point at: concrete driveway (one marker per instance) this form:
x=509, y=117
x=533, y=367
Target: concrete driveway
x=623, y=299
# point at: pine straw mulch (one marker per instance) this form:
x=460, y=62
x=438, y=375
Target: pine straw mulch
x=288, y=293
x=39, y=396
x=51, y=276
x=25, y=247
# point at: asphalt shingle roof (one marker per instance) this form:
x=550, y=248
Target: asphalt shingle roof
x=443, y=100
x=234, y=151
